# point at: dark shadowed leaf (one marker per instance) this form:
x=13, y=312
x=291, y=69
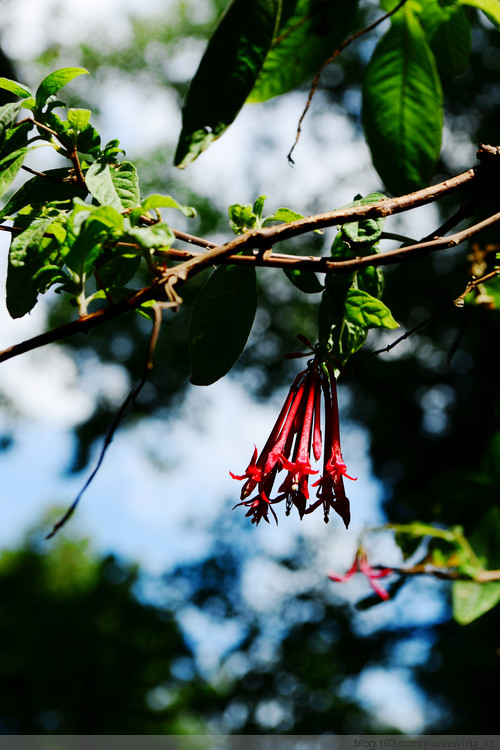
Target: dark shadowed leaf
x=221, y=322
x=306, y=281
x=9, y=167
x=309, y=32
x=226, y=75
x=448, y=31
x=26, y=257
x=40, y=190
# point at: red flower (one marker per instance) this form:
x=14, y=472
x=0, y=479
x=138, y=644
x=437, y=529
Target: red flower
x=296, y=432
x=331, y=491
x=361, y=564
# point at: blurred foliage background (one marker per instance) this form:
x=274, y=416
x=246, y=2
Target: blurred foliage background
x=89, y=646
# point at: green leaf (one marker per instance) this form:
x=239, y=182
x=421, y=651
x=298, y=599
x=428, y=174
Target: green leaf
x=89, y=228
x=9, y=167
x=306, y=281
x=117, y=271
x=341, y=250
x=8, y=115
x=55, y=81
x=449, y=33
x=115, y=185
x=402, y=106
x=364, y=310
x=83, y=135
x=226, y=74
x=89, y=141
x=157, y=235
x=221, y=322
x=491, y=8
x=51, y=274
x=15, y=138
x=485, y=539
x=166, y=201
x=25, y=259
x=15, y=88
x=471, y=600
x=282, y=214
x=310, y=30
x=42, y=190
x=78, y=119
x=331, y=311
x=285, y=215
x=371, y=280
x=242, y=218
x=258, y=206
x=367, y=231
x=111, y=150
x=352, y=339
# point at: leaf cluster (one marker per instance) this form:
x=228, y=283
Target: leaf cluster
x=274, y=46
x=351, y=304
x=84, y=227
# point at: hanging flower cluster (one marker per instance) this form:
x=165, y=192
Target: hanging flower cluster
x=296, y=433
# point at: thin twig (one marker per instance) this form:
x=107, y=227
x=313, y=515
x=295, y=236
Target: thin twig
x=46, y=176
x=192, y=240
x=330, y=59
x=131, y=397
x=85, y=323
x=323, y=264
x=39, y=125
x=265, y=238
x=457, y=302
x=77, y=166
x=448, y=574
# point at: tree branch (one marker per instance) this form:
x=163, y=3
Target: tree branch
x=330, y=59
x=447, y=574
x=162, y=288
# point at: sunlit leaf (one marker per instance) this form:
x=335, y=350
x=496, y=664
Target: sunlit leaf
x=115, y=185
x=166, y=201
x=472, y=600
x=55, y=81
x=364, y=310
x=490, y=7
x=15, y=88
